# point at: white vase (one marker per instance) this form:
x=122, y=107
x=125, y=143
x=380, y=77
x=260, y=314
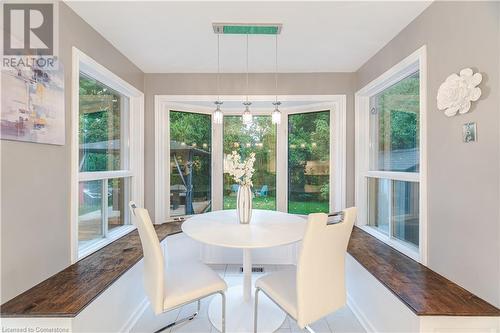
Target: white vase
x=244, y=204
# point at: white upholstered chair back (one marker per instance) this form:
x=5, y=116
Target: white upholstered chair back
x=154, y=262
x=321, y=267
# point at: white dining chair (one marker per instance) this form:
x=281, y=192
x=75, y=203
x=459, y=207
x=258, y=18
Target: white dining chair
x=172, y=285
x=317, y=286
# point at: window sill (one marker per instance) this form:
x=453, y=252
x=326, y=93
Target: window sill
x=404, y=248
x=100, y=243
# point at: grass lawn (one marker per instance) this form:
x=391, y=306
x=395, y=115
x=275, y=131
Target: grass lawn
x=269, y=203
x=257, y=203
x=304, y=207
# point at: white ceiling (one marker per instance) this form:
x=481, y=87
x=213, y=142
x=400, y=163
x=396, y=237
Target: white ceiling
x=177, y=37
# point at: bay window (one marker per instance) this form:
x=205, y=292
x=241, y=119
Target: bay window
x=299, y=166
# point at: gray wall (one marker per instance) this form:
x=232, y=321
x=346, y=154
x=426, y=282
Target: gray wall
x=234, y=84
x=463, y=182
x=463, y=179
x=35, y=178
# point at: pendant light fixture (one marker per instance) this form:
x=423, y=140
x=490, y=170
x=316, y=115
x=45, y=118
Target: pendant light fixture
x=276, y=115
x=217, y=116
x=247, y=117
x=250, y=29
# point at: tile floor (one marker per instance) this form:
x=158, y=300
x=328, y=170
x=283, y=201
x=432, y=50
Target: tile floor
x=342, y=321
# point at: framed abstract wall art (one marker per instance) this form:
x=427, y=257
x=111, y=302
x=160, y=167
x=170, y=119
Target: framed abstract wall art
x=33, y=105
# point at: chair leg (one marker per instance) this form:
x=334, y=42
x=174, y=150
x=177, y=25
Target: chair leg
x=191, y=317
x=223, y=324
x=255, y=311
x=180, y=321
x=309, y=329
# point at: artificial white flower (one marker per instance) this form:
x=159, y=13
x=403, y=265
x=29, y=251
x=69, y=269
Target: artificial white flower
x=241, y=171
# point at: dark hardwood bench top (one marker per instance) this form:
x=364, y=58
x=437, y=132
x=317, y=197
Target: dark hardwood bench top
x=424, y=291
x=68, y=292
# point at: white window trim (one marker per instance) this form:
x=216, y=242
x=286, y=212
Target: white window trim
x=416, y=61
x=163, y=103
x=135, y=170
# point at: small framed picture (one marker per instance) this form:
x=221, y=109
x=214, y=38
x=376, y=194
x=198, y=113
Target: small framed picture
x=469, y=132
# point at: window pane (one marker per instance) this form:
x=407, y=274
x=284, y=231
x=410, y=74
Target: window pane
x=260, y=138
x=396, y=200
x=190, y=163
x=308, y=162
x=405, y=211
x=116, y=202
x=89, y=212
x=379, y=204
x=394, y=127
x=100, y=126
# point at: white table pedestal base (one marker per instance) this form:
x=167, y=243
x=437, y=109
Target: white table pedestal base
x=239, y=314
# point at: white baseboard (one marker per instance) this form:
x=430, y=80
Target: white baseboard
x=136, y=315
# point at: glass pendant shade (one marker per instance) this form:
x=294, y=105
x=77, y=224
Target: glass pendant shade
x=276, y=115
x=247, y=115
x=217, y=116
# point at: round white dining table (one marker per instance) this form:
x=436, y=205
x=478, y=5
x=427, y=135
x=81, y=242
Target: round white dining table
x=266, y=229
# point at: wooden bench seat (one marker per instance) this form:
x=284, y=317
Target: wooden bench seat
x=424, y=291
x=68, y=292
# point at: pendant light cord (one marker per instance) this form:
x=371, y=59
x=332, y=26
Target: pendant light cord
x=218, y=67
x=276, y=68
x=247, y=68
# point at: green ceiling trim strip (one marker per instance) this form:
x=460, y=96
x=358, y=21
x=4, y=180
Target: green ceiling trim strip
x=250, y=30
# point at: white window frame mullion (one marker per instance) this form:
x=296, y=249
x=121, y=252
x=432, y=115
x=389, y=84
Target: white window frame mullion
x=217, y=166
x=282, y=164
x=89, y=176
x=403, y=176
x=362, y=148
x=125, y=133
x=104, y=205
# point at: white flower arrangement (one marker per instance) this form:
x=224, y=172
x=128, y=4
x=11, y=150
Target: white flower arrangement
x=241, y=171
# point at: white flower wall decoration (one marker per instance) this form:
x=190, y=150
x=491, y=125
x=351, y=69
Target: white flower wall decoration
x=457, y=92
